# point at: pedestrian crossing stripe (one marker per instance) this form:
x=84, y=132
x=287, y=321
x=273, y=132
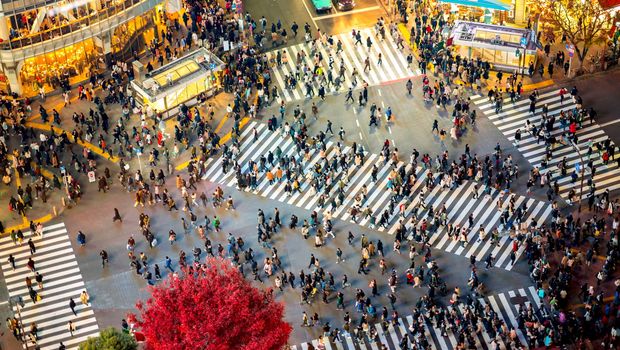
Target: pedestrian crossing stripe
x=507, y=305
x=394, y=66
x=56, y=262
x=460, y=202
x=513, y=116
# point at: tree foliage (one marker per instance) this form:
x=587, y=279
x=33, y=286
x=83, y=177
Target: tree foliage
x=215, y=309
x=110, y=339
x=582, y=21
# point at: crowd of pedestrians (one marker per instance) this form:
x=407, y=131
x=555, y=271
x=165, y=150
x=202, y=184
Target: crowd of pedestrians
x=246, y=74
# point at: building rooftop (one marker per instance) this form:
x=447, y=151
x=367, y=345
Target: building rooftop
x=186, y=69
x=464, y=32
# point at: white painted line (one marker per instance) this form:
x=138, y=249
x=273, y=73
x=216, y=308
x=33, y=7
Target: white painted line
x=379, y=91
x=310, y=14
x=357, y=121
x=390, y=129
x=382, y=104
x=610, y=122
x=361, y=137
x=367, y=9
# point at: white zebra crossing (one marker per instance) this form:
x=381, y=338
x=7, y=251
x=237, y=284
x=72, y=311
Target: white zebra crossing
x=56, y=262
x=507, y=305
x=394, y=65
x=514, y=115
x=460, y=202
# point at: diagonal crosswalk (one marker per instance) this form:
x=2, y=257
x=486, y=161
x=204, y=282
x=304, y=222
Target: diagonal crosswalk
x=460, y=202
x=425, y=333
x=393, y=67
x=514, y=116
x=56, y=262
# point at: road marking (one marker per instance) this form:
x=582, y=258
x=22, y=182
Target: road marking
x=357, y=121
x=340, y=14
x=223, y=140
x=382, y=104
x=393, y=143
x=310, y=14
x=221, y=124
x=18, y=182
x=610, y=123
x=389, y=82
x=379, y=90
x=59, y=130
x=390, y=129
x=361, y=137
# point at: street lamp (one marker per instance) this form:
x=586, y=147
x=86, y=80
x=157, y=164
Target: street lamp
x=17, y=302
x=572, y=142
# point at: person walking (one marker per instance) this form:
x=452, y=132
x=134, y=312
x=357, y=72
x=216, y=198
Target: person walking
x=117, y=216
x=489, y=261
x=341, y=133
x=168, y=264
x=349, y=96
x=72, y=327
x=33, y=249
x=11, y=260
x=72, y=306
x=517, y=137
x=31, y=265
x=104, y=257
x=81, y=238
x=39, y=278
x=329, y=127
x=84, y=298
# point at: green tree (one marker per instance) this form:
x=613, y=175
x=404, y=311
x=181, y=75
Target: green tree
x=584, y=22
x=110, y=339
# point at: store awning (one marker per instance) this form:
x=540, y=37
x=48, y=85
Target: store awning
x=503, y=5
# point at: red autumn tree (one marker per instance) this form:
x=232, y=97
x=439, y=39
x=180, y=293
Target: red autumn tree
x=216, y=309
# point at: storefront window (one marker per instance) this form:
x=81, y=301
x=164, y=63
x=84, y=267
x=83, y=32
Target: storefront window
x=31, y=26
x=501, y=57
x=133, y=36
x=514, y=60
x=72, y=63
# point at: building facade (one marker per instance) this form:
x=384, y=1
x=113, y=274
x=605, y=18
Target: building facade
x=44, y=43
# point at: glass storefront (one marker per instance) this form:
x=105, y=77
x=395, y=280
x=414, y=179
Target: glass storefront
x=51, y=19
x=503, y=47
x=496, y=57
x=133, y=35
x=71, y=39
x=483, y=11
x=73, y=63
